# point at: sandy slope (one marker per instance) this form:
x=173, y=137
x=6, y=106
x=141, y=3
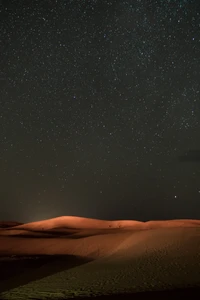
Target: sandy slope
x=127, y=255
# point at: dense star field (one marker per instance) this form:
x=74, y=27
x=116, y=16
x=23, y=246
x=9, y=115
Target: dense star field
x=100, y=109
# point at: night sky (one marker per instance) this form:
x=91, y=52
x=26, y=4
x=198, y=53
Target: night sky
x=99, y=109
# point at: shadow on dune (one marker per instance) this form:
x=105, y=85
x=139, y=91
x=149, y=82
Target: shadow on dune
x=30, y=233
x=60, y=233
x=20, y=270
x=40, y=235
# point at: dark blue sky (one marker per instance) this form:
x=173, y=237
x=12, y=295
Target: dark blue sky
x=100, y=102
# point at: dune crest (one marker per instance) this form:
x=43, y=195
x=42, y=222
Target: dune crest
x=75, y=222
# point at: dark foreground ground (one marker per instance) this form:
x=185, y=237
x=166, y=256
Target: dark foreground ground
x=17, y=271
x=20, y=270
x=193, y=293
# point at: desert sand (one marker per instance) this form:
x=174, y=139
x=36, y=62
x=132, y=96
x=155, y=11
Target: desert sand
x=68, y=256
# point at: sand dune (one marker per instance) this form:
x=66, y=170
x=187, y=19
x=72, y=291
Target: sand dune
x=7, y=224
x=78, y=223
x=118, y=256
x=68, y=222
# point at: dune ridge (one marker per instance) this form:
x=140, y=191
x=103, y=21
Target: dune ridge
x=89, y=223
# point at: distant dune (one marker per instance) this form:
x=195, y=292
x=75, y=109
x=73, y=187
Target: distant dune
x=7, y=224
x=82, y=257
x=69, y=222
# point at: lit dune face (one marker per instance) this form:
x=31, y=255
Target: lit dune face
x=80, y=223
